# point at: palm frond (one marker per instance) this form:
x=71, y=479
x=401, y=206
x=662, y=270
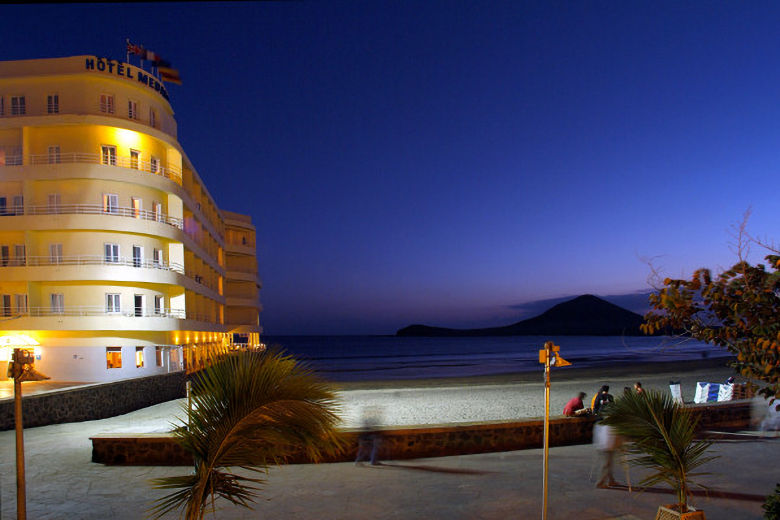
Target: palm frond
x=249, y=410
x=662, y=437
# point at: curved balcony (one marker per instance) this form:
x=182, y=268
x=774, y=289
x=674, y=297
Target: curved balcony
x=95, y=317
x=169, y=172
x=98, y=209
x=101, y=260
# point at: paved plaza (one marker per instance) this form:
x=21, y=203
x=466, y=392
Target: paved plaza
x=63, y=483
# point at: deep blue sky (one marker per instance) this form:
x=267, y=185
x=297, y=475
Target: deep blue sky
x=445, y=162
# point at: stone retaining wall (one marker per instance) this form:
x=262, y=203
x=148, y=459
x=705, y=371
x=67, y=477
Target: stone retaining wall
x=98, y=401
x=415, y=442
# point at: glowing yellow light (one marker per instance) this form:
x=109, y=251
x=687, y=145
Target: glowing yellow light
x=17, y=340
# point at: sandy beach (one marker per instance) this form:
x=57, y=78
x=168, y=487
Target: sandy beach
x=473, y=399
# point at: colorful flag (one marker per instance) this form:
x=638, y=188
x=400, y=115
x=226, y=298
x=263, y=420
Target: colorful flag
x=170, y=75
x=134, y=49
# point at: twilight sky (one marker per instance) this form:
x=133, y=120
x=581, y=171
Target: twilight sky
x=449, y=162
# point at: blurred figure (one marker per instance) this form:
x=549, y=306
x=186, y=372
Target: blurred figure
x=607, y=442
x=575, y=407
x=638, y=388
x=369, y=439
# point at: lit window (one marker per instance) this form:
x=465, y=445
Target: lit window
x=107, y=103
x=136, y=205
x=134, y=156
x=57, y=303
x=157, y=210
x=154, y=164
x=108, y=155
x=112, y=303
x=110, y=203
x=53, y=104
x=132, y=110
x=6, y=305
x=139, y=357
x=111, y=253
x=113, y=357
x=18, y=107
x=54, y=154
x=21, y=303
x=55, y=253
x=152, y=118
x=158, y=356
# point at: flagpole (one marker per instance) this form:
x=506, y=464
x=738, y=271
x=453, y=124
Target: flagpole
x=127, y=50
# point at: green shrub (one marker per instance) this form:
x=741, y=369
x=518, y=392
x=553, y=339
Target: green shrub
x=772, y=505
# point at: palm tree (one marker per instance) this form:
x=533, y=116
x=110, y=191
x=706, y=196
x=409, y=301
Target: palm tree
x=661, y=434
x=249, y=410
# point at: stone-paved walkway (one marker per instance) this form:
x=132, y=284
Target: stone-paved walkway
x=63, y=483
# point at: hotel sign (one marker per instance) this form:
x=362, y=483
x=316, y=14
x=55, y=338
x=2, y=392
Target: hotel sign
x=127, y=71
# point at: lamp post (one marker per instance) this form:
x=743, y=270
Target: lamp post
x=550, y=358
x=21, y=369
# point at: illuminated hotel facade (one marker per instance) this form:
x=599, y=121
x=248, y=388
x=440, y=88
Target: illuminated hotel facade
x=114, y=257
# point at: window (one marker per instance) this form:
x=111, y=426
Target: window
x=136, y=205
x=57, y=303
x=53, y=104
x=113, y=357
x=2, y=106
x=107, y=103
x=157, y=257
x=53, y=202
x=152, y=118
x=158, y=305
x=132, y=110
x=4, y=255
x=134, y=156
x=54, y=154
x=55, y=253
x=139, y=357
x=154, y=164
x=138, y=302
x=110, y=203
x=111, y=253
x=108, y=154
x=138, y=256
x=6, y=305
x=18, y=205
x=157, y=210
x=112, y=303
x=3, y=210
x=21, y=303
x=18, y=107
x=20, y=256
x=158, y=356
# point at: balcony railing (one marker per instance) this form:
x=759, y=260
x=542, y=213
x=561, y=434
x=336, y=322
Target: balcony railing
x=169, y=172
x=95, y=310
x=101, y=260
x=99, y=209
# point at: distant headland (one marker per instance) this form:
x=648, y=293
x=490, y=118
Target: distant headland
x=585, y=315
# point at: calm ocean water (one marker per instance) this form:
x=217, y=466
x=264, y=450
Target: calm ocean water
x=364, y=358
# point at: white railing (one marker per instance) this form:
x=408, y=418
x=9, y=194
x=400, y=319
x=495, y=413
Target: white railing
x=169, y=172
x=102, y=260
x=99, y=209
x=96, y=310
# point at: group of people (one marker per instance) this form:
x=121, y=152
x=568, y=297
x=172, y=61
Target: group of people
x=575, y=407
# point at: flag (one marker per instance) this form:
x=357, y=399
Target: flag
x=170, y=75
x=134, y=49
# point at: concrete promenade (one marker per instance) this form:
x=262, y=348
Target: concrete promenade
x=63, y=483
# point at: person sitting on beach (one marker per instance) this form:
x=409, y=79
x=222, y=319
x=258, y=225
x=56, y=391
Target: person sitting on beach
x=602, y=398
x=638, y=388
x=575, y=407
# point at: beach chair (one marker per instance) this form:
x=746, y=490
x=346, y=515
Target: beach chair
x=674, y=387
x=725, y=392
x=706, y=392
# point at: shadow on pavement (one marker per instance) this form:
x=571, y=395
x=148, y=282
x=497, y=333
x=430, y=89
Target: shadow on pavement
x=434, y=469
x=709, y=493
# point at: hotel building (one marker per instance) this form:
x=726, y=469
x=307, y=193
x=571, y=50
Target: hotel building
x=114, y=257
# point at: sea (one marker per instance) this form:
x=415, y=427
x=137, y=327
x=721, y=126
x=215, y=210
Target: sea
x=378, y=358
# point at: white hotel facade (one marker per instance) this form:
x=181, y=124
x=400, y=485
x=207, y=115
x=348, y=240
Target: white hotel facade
x=114, y=257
